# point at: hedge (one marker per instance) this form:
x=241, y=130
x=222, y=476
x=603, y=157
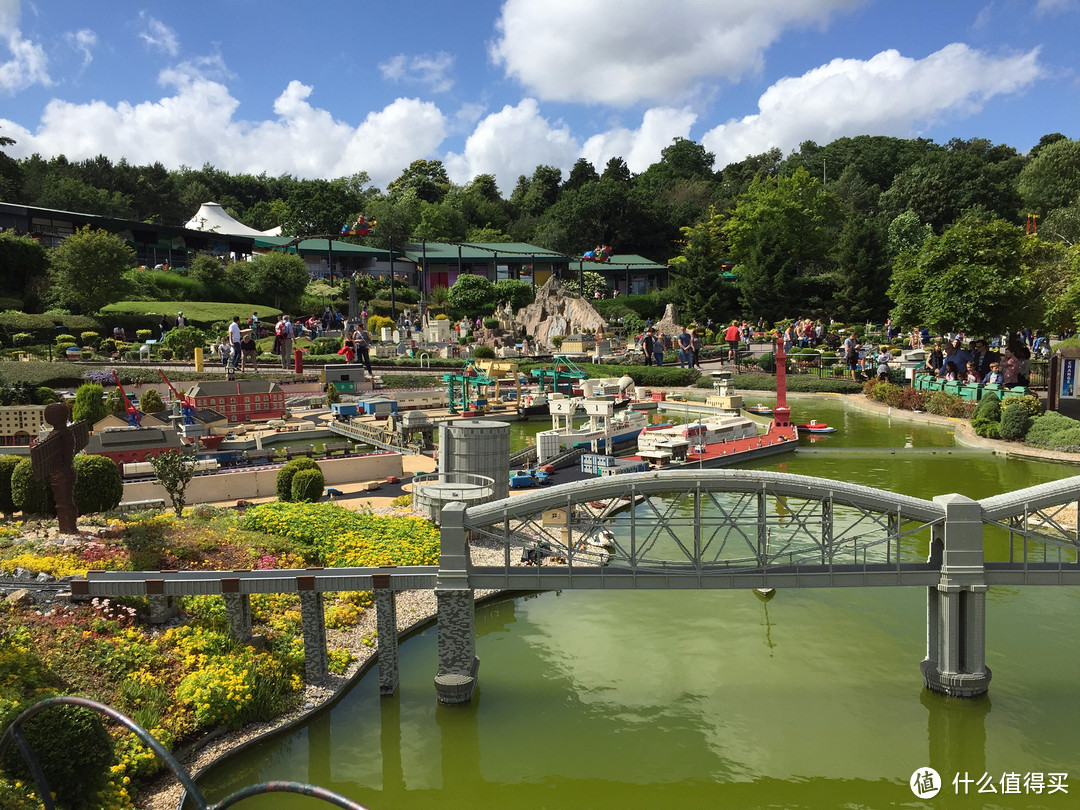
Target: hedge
x=134, y=315
x=42, y=327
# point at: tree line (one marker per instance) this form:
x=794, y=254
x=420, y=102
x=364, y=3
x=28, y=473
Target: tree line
x=855, y=229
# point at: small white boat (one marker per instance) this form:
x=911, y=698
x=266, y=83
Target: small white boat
x=759, y=409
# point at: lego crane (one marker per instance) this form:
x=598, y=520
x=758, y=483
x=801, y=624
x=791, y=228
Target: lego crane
x=134, y=418
x=185, y=407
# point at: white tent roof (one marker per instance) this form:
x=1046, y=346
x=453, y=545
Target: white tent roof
x=212, y=217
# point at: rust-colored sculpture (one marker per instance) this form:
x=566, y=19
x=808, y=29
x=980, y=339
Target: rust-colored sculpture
x=54, y=456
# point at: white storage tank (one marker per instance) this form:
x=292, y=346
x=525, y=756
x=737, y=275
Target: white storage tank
x=477, y=446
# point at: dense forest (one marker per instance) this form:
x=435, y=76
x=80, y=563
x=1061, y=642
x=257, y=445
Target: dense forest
x=855, y=229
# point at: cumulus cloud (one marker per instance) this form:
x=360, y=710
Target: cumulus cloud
x=426, y=69
x=197, y=125
x=641, y=147
x=27, y=64
x=621, y=52
x=887, y=95
x=83, y=41
x=510, y=143
x=158, y=35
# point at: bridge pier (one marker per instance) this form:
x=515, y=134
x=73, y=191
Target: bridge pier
x=313, y=619
x=238, y=613
x=955, y=662
x=458, y=664
x=386, y=628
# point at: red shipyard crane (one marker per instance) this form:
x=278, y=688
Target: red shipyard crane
x=186, y=407
x=134, y=418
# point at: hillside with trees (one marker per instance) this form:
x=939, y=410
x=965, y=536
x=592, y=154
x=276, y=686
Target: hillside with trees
x=853, y=229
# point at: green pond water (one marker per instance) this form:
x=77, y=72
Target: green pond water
x=716, y=699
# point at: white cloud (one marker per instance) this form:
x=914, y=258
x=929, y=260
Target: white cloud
x=196, y=125
x=887, y=95
x=512, y=142
x=640, y=148
x=624, y=51
x=158, y=35
x=426, y=69
x=1054, y=6
x=83, y=41
x=28, y=64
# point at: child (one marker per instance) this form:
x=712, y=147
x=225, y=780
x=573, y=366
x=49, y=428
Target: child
x=224, y=351
x=994, y=377
x=972, y=375
x=883, y=364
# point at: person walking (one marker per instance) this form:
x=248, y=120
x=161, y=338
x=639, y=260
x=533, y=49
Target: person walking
x=234, y=338
x=731, y=335
x=647, y=343
x=362, y=347
x=685, y=341
x=695, y=348
x=658, y=349
x=286, y=337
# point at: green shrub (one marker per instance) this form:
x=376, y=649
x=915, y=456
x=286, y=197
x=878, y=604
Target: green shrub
x=491, y=323
x=92, y=339
x=183, y=341
x=72, y=747
x=22, y=339
x=98, y=485
x=307, y=486
x=7, y=467
x=1015, y=421
x=376, y=323
x=484, y=353
x=1029, y=402
x=165, y=354
x=944, y=404
x=989, y=407
x=31, y=495
x=332, y=394
x=90, y=403
x=1054, y=431
x=143, y=335
x=283, y=483
x=65, y=340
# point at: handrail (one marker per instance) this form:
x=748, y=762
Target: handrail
x=14, y=732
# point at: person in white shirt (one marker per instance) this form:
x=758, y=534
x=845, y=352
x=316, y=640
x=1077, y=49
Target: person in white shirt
x=285, y=339
x=234, y=338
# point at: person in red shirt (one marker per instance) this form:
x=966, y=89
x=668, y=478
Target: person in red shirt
x=731, y=335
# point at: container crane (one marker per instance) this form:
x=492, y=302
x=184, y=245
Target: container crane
x=185, y=407
x=134, y=418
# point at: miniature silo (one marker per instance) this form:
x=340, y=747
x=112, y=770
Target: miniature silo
x=477, y=446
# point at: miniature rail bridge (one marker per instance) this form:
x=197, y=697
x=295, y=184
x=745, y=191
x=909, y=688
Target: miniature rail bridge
x=711, y=529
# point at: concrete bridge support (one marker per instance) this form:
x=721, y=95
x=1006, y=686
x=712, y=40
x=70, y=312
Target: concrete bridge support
x=458, y=664
x=312, y=616
x=386, y=626
x=237, y=612
x=955, y=661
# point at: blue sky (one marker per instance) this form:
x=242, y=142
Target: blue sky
x=330, y=88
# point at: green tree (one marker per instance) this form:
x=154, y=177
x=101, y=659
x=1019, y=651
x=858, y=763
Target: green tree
x=183, y=341
x=98, y=485
x=581, y=173
x=332, y=394
x=280, y=278
x=977, y=277
x=207, y=270
x=782, y=231
x=593, y=284
x=863, y=269
x=516, y=293
x=906, y=234
x=697, y=286
x=89, y=403
x=472, y=296
x=24, y=263
x=174, y=471
x=427, y=178
x=1051, y=179
x=86, y=269
x=114, y=402
x=151, y=402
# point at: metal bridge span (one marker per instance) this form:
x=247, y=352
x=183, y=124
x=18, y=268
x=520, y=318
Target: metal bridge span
x=714, y=529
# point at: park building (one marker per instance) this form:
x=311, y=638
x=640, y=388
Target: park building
x=20, y=423
x=239, y=401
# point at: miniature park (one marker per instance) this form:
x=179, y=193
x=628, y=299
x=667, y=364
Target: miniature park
x=139, y=440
